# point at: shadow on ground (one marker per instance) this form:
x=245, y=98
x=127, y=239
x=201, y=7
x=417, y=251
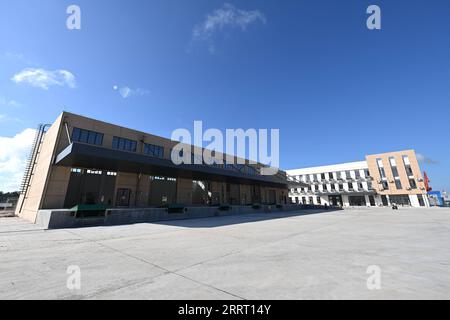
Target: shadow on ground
x=215, y=222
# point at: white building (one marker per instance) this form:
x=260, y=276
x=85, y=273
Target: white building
x=347, y=184
x=380, y=180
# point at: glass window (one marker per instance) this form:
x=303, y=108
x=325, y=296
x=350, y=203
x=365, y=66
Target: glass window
x=392, y=161
x=412, y=183
x=76, y=134
x=381, y=169
x=348, y=175
x=406, y=161
x=86, y=136
x=398, y=184
x=394, y=166
x=124, y=144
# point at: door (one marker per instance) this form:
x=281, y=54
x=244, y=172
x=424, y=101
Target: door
x=123, y=197
x=421, y=201
x=385, y=201
x=372, y=201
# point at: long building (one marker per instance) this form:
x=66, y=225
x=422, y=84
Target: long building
x=81, y=161
x=380, y=180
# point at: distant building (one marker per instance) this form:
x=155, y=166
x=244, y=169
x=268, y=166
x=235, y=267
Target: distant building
x=380, y=180
x=446, y=198
x=436, y=199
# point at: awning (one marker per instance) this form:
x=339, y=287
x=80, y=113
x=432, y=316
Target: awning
x=78, y=155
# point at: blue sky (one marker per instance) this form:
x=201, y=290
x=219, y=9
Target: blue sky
x=336, y=90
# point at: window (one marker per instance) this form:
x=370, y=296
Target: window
x=323, y=176
x=319, y=200
x=86, y=136
x=95, y=172
x=407, y=163
x=381, y=168
x=350, y=187
x=124, y=144
x=154, y=151
x=385, y=185
x=360, y=187
x=330, y=176
x=333, y=187
x=325, y=188
x=348, y=175
x=357, y=174
x=412, y=184
x=394, y=167
x=341, y=187
x=398, y=184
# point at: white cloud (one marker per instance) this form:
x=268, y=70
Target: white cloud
x=227, y=17
x=126, y=92
x=9, y=102
x=44, y=79
x=13, y=156
x=426, y=160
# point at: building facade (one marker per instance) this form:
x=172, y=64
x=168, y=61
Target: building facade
x=380, y=180
x=82, y=161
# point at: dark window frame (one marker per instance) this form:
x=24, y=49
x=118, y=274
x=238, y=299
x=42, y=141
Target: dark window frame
x=87, y=136
x=124, y=144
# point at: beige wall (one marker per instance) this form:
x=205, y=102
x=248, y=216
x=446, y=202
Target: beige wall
x=374, y=172
x=34, y=198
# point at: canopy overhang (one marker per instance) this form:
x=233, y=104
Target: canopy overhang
x=78, y=155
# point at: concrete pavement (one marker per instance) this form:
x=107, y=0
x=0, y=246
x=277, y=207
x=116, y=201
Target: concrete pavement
x=257, y=256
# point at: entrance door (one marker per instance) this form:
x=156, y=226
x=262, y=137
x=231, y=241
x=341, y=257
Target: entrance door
x=271, y=197
x=372, y=201
x=385, y=201
x=123, y=198
x=336, y=201
x=357, y=201
x=421, y=201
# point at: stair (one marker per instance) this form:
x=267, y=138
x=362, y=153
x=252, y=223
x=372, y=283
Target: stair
x=31, y=162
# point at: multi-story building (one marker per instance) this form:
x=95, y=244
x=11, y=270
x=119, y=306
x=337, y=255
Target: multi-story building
x=380, y=180
x=82, y=161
